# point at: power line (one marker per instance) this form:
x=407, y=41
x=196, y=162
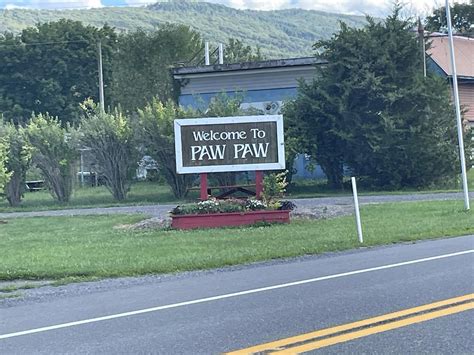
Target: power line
x=41, y=43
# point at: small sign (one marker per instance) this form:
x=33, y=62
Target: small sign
x=222, y=144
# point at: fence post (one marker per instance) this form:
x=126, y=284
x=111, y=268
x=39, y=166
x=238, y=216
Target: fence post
x=357, y=213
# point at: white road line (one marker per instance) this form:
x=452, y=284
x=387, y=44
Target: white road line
x=230, y=295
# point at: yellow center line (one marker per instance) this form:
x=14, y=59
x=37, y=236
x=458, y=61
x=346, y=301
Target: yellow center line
x=377, y=329
x=279, y=344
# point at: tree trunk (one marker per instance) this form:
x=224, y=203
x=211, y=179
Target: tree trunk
x=335, y=175
x=14, y=189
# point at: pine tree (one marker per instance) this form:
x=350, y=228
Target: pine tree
x=371, y=109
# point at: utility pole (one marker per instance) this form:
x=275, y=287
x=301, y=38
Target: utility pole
x=421, y=33
x=101, y=77
x=207, y=60
x=458, y=109
x=221, y=53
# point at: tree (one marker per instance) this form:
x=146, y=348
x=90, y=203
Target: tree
x=314, y=126
x=18, y=161
x=371, y=109
x=4, y=174
x=155, y=131
x=142, y=65
x=110, y=138
x=462, y=17
x=236, y=51
x=54, y=153
x=52, y=68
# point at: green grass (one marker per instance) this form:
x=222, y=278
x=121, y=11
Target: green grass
x=10, y=295
x=77, y=248
x=318, y=188
x=12, y=288
x=141, y=193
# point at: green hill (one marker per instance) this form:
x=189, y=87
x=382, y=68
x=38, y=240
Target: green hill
x=279, y=34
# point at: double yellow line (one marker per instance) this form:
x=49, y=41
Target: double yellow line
x=330, y=336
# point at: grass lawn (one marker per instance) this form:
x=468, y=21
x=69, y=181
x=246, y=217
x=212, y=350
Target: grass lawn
x=87, y=247
x=318, y=188
x=141, y=193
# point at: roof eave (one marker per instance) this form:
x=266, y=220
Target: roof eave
x=264, y=64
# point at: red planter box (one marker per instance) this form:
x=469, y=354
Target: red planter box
x=212, y=220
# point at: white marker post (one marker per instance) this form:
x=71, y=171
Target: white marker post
x=458, y=109
x=356, y=206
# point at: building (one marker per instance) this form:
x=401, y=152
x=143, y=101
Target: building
x=264, y=85
x=440, y=62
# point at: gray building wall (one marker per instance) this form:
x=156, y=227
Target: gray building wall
x=249, y=80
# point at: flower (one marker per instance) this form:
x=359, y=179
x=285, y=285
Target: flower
x=231, y=205
x=254, y=205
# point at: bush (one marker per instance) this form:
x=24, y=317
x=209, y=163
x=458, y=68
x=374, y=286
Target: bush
x=110, y=138
x=4, y=174
x=18, y=161
x=54, y=153
x=274, y=186
x=155, y=132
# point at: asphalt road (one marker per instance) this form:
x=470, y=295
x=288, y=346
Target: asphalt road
x=231, y=309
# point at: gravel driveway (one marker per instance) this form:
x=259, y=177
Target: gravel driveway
x=161, y=211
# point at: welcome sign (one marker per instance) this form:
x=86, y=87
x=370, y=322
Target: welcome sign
x=242, y=143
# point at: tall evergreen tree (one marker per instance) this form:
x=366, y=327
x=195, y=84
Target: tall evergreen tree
x=371, y=108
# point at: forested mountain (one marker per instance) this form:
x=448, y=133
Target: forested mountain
x=279, y=34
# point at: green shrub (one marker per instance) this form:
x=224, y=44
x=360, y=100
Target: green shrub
x=110, y=138
x=54, y=153
x=18, y=161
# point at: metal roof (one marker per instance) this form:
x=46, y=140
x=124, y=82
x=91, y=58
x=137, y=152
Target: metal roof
x=263, y=64
x=463, y=51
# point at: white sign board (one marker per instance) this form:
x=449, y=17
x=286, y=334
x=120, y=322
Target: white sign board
x=224, y=144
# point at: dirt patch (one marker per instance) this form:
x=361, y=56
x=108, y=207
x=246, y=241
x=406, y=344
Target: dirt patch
x=322, y=212
x=315, y=212
x=150, y=223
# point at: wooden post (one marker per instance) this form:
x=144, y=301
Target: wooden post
x=204, y=193
x=258, y=184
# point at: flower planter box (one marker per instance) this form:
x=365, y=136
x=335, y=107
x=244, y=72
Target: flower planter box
x=213, y=220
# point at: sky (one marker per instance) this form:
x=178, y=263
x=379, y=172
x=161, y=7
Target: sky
x=378, y=8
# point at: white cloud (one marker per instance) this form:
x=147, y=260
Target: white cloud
x=358, y=7
x=139, y=2
x=255, y=4
x=51, y=4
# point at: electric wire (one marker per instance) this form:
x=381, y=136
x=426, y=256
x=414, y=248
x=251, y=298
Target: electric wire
x=21, y=44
